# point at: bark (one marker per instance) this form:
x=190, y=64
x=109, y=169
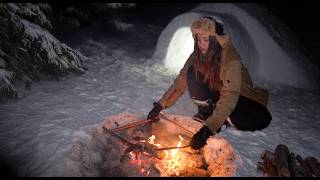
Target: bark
x=281, y=160
x=312, y=164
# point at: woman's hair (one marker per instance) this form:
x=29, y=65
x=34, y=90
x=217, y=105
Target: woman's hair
x=211, y=65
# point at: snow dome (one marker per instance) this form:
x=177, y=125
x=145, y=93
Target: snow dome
x=260, y=51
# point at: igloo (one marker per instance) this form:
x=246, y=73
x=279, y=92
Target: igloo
x=262, y=51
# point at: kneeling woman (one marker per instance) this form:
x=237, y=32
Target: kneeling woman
x=219, y=84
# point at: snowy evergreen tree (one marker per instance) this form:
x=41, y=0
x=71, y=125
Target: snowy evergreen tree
x=28, y=51
x=70, y=16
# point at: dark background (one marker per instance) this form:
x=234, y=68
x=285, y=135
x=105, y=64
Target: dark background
x=301, y=18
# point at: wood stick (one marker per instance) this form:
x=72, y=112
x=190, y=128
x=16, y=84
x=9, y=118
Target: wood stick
x=177, y=124
x=281, y=160
x=167, y=148
x=117, y=136
x=131, y=125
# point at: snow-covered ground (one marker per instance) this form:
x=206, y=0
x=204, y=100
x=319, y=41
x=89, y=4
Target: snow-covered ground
x=36, y=130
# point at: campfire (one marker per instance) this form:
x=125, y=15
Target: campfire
x=171, y=161
x=160, y=149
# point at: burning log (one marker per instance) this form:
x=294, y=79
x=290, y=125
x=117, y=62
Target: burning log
x=141, y=147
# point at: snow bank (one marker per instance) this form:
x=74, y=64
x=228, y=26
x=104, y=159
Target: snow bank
x=260, y=53
x=93, y=152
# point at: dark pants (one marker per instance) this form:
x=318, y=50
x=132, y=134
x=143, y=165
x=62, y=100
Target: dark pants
x=248, y=114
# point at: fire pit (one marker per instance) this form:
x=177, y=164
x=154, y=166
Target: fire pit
x=157, y=149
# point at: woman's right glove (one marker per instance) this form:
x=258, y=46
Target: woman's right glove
x=200, y=138
x=155, y=111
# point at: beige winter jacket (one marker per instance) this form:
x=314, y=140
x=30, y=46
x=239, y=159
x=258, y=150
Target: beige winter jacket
x=234, y=81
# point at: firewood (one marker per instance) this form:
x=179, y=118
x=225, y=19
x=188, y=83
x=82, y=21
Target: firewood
x=300, y=171
x=268, y=162
x=299, y=159
x=281, y=160
x=305, y=169
x=312, y=163
x=267, y=154
x=260, y=166
x=292, y=165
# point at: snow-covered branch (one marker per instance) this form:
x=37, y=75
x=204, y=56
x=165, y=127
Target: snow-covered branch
x=28, y=50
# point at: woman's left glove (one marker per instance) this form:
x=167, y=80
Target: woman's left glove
x=200, y=138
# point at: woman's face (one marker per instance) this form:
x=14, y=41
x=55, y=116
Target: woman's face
x=203, y=43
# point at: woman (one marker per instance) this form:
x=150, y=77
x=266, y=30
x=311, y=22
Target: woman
x=219, y=84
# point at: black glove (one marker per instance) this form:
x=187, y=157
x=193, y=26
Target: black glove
x=155, y=111
x=200, y=138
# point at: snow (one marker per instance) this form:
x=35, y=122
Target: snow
x=32, y=12
x=37, y=129
x=94, y=152
x=261, y=53
x=56, y=51
x=119, y=5
x=5, y=76
x=122, y=26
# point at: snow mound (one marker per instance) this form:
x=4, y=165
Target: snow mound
x=264, y=57
x=94, y=152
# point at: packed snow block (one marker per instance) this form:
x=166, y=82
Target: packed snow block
x=258, y=46
x=28, y=50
